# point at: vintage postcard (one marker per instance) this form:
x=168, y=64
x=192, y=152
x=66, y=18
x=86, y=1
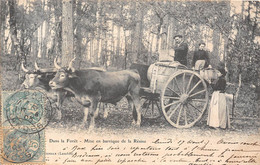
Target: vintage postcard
x=130, y=82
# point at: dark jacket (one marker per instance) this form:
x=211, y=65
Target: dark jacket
x=220, y=85
x=181, y=52
x=201, y=55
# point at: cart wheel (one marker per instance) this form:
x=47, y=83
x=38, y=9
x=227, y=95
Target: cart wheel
x=184, y=99
x=151, y=108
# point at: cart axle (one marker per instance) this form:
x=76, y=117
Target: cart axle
x=184, y=97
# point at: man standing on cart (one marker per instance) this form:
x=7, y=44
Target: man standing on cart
x=200, y=58
x=181, y=50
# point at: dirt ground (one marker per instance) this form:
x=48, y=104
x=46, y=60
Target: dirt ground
x=120, y=118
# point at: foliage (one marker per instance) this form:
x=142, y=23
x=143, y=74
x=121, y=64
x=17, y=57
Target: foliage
x=244, y=49
x=142, y=26
x=98, y=20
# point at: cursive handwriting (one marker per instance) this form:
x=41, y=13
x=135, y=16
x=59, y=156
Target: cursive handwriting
x=159, y=141
x=159, y=151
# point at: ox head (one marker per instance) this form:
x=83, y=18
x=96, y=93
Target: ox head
x=61, y=79
x=37, y=77
x=65, y=75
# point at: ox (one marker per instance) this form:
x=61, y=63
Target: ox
x=93, y=86
x=39, y=79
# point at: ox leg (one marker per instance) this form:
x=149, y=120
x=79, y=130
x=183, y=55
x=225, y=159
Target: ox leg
x=92, y=122
x=93, y=114
x=98, y=109
x=131, y=106
x=105, y=111
x=105, y=106
x=58, y=112
x=137, y=104
x=85, y=118
x=59, y=102
x=137, y=109
x=55, y=99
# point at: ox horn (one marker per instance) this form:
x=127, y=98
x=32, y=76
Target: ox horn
x=70, y=64
x=56, y=64
x=23, y=68
x=43, y=69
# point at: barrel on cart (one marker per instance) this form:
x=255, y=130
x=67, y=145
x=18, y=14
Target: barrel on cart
x=174, y=91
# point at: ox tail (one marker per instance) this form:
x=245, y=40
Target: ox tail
x=137, y=76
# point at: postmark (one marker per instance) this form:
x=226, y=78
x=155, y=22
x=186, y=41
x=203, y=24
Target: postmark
x=27, y=105
x=19, y=147
x=25, y=114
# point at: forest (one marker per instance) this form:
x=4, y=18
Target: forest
x=115, y=34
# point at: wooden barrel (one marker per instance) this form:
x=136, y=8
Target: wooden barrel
x=159, y=72
x=209, y=74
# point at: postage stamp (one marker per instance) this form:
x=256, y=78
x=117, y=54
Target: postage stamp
x=25, y=114
x=19, y=147
x=25, y=108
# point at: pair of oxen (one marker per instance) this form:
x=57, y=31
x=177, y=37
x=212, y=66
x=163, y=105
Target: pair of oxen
x=89, y=87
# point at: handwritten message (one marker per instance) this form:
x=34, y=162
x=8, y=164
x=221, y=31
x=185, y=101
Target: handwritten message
x=152, y=150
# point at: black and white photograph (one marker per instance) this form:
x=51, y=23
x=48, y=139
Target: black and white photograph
x=130, y=82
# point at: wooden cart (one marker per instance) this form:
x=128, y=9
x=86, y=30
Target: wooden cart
x=176, y=92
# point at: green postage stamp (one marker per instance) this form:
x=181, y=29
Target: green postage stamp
x=25, y=114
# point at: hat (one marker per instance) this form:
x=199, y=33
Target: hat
x=221, y=68
x=222, y=71
x=180, y=36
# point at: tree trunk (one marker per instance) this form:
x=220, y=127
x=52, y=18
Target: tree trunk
x=151, y=51
x=100, y=46
x=78, y=42
x=149, y=48
x=112, y=49
x=13, y=31
x=118, y=48
x=216, y=43
x=96, y=49
x=3, y=9
x=159, y=28
x=137, y=43
x=164, y=36
x=44, y=36
x=226, y=37
x=39, y=41
x=125, y=51
x=34, y=45
x=225, y=56
x=99, y=31
x=67, y=32
x=45, y=40
x=58, y=37
x=238, y=88
x=170, y=33
x=104, y=51
x=91, y=48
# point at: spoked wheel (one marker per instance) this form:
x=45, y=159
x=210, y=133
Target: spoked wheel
x=151, y=107
x=184, y=99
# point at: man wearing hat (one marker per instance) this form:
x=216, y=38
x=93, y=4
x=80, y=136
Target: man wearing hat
x=200, y=57
x=181, y=50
